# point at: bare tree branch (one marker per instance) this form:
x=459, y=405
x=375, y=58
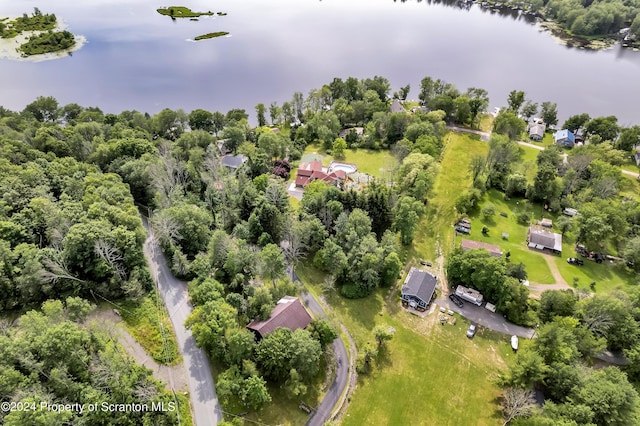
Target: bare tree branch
x=55, y=270
x=110, y=254
x=517, y=402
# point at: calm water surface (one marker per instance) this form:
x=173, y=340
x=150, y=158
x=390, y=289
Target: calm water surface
x=137, y=59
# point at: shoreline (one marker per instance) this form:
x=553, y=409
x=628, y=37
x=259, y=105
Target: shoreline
x=9, y=46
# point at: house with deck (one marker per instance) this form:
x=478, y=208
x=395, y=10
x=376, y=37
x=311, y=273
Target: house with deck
x=565, y=138
x=288, y=312
x=493, y=249
x=539, y=238
x=418, y=289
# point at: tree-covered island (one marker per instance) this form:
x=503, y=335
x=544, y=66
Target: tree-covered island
x=182, y=12
x=41, y=33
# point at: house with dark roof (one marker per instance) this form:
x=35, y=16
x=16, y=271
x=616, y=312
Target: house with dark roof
x=233, y=161
x=396, y=106
x=288, y=312
x=418, y=289
x=541, y=239
x=565, y=138
x=493, y=249
x=536, y=129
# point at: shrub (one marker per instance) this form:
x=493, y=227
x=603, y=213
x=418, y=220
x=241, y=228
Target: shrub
x=352, y=291
x=524, y=218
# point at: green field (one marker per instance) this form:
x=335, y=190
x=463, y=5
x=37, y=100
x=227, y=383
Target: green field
x=425, y=365
x=379, y=164
x=527, y=165
x=437, y=224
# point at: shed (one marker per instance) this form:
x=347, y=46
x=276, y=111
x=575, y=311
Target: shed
x=547, y=223
x=570, y=212
x=418, y=289
x=288, y=312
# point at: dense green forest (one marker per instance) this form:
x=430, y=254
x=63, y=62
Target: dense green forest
x=44, y=40
x=69, y=228
x=36, y=22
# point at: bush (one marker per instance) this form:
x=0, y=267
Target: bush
x=489, y=210
x=524, y=218
x=352, y=291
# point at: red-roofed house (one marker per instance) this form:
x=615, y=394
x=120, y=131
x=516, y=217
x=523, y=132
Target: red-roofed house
x=308, y=172
x=289, y=313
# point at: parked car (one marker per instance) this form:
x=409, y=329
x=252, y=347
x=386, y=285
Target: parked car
x=574, y=261
x=425, y=262
x=471, y=331
x=462, y=230
x=456, y=300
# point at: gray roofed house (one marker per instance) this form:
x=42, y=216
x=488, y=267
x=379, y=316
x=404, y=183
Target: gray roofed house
x=288, y=312
x=234, y=161
x=541, y=239
x=536, y=130
x=418, y=289
x=396, y=106
x=637, y=158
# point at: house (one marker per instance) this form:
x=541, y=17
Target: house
x=313, y=170
x=418, y=289
x=396, y=106
x=541, y=239
x=565, y=138
x=234, y=161
x=637, y=158
x=536, y=129
x=288, y=312
x=469, y=294
x=475, y=245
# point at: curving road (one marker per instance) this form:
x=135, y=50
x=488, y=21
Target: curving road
x=204, y=402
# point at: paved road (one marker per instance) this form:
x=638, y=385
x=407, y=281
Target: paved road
x=331, y=398
x=486, y=318
x=204, y=402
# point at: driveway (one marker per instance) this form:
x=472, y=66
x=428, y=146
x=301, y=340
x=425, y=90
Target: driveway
x=331, y=398
x=204, y=402
x=484, y=136
x=485, y=318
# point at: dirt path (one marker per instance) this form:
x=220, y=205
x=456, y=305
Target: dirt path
x=173, y=376
x=555, y=271
x=536, y=289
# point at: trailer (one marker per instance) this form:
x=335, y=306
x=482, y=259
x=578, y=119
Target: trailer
x=469, y=294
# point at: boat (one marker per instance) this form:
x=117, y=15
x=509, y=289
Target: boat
x=514, y=342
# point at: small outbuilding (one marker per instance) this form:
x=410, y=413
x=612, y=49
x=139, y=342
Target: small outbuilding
x=288, y=312
x=418, y=289
x=547, y=223
x=570, y=212
x=565, y=138
x=541, y=239
x=469, y=294
x=637, y=158
x=493, y=249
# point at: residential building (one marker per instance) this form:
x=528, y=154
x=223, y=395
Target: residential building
x=233, y=161
x=536, y=129
x=541, y=239
x=396, y=106
x=418, y=289
x=565, y=138
x=288, y=312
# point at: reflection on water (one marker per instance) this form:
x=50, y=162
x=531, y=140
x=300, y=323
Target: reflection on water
x=138, y=59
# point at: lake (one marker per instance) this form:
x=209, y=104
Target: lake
x=138, y=59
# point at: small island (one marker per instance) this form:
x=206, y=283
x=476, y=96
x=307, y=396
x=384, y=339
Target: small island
x=182, y=12
x=211, y=35
x=36, y=36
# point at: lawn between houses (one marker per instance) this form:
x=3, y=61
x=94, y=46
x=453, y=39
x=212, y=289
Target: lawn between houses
x=427, y=365
x=379, y=164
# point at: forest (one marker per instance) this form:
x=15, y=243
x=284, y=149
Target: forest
x=73, y=177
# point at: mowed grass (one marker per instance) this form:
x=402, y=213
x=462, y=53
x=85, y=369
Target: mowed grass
x=527, y=165
x=516, y=242
x=453, y=179
x=426, y=368
x=150, y=325
x=379, y=164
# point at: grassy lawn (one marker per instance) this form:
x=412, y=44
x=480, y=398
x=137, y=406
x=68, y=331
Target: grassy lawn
x=143, y=323
x=630, y=187
x=516, y=243
x=425, y=365
x=379, y=164
x=527, y=165
x=454, y=178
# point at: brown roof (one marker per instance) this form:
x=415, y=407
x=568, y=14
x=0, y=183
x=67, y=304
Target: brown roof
x=288, y=313
x=473, y=245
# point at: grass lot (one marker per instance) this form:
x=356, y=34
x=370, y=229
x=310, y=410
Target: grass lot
x=527, y=165
x=436, y=225
x=379, y=164
x=516, y=243
x=143, y=323
x=630, y=187
x=425, y=365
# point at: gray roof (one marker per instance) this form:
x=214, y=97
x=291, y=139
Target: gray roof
x=546, y=239
x=396, y=106
x=637, y=157
x=233, y=161
x=420, y=284
x=537, y=129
